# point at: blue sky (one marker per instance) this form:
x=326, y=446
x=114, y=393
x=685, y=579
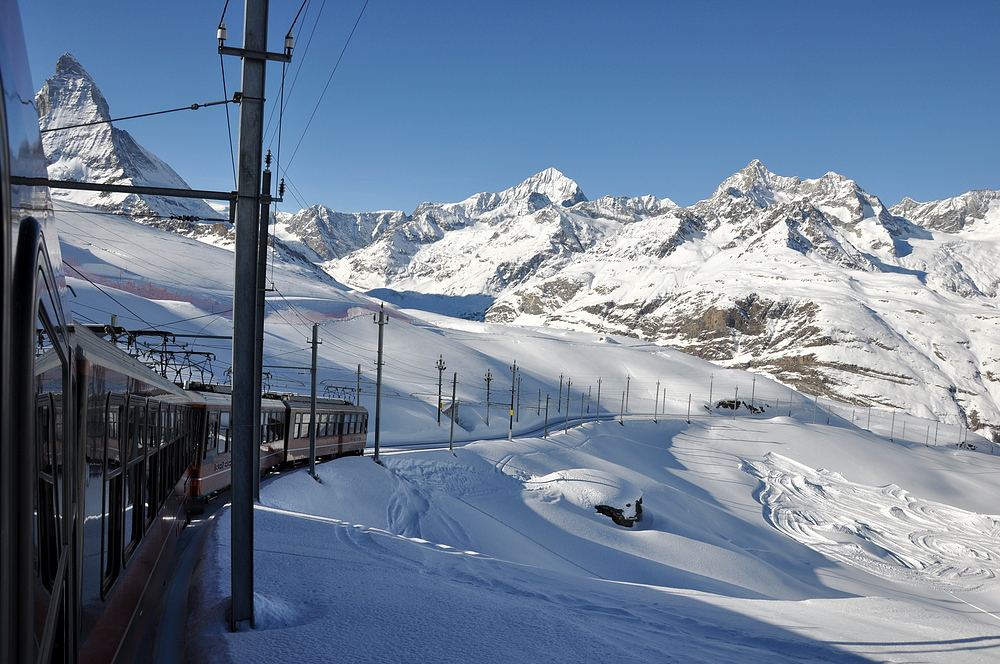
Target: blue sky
x=437, y=100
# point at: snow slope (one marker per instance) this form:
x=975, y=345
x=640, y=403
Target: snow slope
x=783, y=531
x=436, y=557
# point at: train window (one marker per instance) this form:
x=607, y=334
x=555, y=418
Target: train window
x=151, y=464
x=224, y=440
x=47, y=506
x=134, y=476
x=151, y=485
x=213, y=433
x=297, y=430
x=276, y=427
x=113, y=489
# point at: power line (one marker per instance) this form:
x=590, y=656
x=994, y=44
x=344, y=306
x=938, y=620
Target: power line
x=149, y=215
x=82, y=275
x=323, y=94
x=184, y=320
x=297, y=14
x=192, y=107
x=229, y=122
x=301, y=64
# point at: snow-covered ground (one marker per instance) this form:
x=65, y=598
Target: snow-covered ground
x=787, y=534
x=471, y=558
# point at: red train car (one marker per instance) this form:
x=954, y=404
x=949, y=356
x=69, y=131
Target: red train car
x=341, y=429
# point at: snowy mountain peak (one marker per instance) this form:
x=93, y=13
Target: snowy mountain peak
x=67, y=65
x=550, y=187
x=70, y=97
x=952, y=214
x=101, y=152
x=755, y=183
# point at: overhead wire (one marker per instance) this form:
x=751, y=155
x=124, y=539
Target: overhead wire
x=185, y=320
x=183, y=269
x=133, y=216
x=297, y=14
x=298, y=70
x=229, y=122
x=327, y=86
x=112, y=298
x=192, y=107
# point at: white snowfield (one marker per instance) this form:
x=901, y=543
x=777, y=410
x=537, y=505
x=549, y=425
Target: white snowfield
x=746, y=551
x=590, y=489
x=882, y=530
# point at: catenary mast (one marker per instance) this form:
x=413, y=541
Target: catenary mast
x=246, y=379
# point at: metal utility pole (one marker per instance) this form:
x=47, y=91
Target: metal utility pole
x=546, y=434
x=381, y=320
x=454, y=412
x=517, y=409
x=258, y=346
x=441, y=366
x=312, y=402
x=656, y=402
x=598, y=399
x=566, y=424
x=245, y=383
x=358, y=398
x=628, y=384
x=513, y=382
x=559, y=403
x=488, y=379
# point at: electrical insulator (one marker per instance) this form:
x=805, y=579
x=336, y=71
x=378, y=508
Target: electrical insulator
x=267, y=160
x=281, y=188
x=222, y=34
x=289, y=42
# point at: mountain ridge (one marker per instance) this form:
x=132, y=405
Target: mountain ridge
x=814, y=282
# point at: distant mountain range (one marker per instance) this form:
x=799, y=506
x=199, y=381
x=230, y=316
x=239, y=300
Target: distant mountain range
x=813, y=282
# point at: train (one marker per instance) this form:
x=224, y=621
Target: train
x=101, y=458
x=341, y=429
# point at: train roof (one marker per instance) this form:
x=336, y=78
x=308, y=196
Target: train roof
x=298, y=401
x=202, y=398
x=218, y=394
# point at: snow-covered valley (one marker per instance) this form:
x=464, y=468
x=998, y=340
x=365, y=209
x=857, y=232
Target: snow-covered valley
x=783, y=531
x=777, y=524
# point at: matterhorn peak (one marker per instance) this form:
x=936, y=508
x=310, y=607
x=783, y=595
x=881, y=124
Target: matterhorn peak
x=70, y=97
x=70, y=66
x=82, y=145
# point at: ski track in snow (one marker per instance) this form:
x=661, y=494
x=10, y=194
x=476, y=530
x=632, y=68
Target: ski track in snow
x=882, y=530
